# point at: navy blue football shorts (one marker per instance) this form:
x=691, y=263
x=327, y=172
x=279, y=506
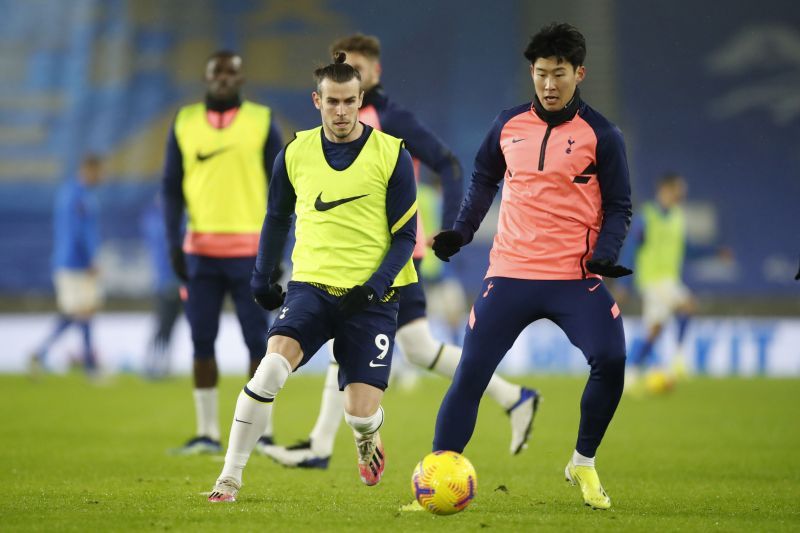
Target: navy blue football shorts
x=362, y=345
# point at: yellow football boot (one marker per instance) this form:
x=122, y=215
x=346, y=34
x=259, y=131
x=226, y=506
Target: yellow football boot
x=586, y=476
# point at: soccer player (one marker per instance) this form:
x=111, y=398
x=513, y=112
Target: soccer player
x=659, y=248
x=659, y=244
x=564, y=214
x=219, y=154
x=413, y=330
x=75, y=275
x=353, y=191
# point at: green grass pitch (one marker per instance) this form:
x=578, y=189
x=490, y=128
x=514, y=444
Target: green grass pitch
x=715, y=455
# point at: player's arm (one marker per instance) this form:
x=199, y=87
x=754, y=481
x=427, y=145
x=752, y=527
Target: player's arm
x=77, y=223
x=632, y=244
x=274, y=232
x=174, y=203
x=401, y=211
x=615, y=191
x=91, y=229
x=426, y=146
x=490, y=166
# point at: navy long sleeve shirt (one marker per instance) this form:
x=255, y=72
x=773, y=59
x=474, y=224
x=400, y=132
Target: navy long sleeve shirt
x=423, y=145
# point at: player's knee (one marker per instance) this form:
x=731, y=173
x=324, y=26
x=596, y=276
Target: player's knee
x=257, y=348
x=204, y=351
x=203, y=345
x=609, y=363
x=270, y=376
x=417, y=343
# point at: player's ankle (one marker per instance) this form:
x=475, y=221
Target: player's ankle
x=582, y=460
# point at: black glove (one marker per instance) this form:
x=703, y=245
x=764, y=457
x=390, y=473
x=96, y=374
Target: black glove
x=607, y=268
x=178, y=261
x=356, y=300
x=797, y=276
x=447, y=244
x=270, y=296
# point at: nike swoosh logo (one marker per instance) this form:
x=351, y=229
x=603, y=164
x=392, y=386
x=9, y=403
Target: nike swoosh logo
x=242, y=421
x=209, y=155
x=321, y=205
x=375, y=365
x=592, y=289
x=515, y=141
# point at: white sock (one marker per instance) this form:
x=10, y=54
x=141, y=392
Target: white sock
x=365, y=426
x=253, y=409
x=330, y=414
x=421, y=349
x=582, y=460
x=206, y=408
x=268, y=430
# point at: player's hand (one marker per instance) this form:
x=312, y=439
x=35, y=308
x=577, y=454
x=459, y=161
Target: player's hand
x=447, y=243
x=607, y=268
x=270, y=296
x=356, y=300
x=178, y=261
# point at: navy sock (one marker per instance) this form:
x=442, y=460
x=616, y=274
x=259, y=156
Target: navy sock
x=683, y=324
x=89, y=362
x=62, y=324
x=599, y=402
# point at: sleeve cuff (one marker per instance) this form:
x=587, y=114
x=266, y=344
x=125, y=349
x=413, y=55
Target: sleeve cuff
x=465, y=231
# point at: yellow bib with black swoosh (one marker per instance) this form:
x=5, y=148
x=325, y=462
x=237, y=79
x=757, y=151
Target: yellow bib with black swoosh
x=342, y=230
x=224, y=183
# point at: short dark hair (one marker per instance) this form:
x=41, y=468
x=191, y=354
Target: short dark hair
x=338, y=71
x=367, y=45
x=560, y=40
x=669, y=178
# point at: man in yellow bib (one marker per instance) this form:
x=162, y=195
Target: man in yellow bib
x=219, y=153
x=353, y=191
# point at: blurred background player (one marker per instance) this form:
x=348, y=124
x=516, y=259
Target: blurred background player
x=75, y=276
x=352, y=189
x=219, y=157
x=658, y=247
x=564, y=214
x=167, y=289
x=413, y=334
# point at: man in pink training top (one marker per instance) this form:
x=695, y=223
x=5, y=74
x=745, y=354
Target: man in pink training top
x=565, y=211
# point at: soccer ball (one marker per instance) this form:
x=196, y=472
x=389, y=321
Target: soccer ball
x=659, y=382
x=444, y=482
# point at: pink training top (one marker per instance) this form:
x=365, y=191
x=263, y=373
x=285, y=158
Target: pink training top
x=566, y=195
